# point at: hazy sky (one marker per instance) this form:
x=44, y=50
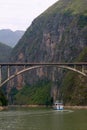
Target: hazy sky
x=18, y=14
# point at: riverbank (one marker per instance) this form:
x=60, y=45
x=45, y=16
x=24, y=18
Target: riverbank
x=75, y=107
x=40, y=106
x=65, y=107
x=3, y=108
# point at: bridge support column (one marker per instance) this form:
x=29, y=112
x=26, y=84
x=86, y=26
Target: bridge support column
x=74, y=66
x=8, y=71
x=83, y=68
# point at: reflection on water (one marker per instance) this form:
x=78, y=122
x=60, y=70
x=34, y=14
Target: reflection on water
x=43, y=119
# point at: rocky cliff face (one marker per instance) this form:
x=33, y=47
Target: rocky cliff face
x=57, y=35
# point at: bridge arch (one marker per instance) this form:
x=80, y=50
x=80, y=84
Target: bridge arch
x=35, y=67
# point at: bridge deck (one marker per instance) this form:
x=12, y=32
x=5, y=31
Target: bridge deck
x=33, y=64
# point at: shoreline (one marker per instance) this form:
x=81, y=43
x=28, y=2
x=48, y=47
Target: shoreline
x=75, y=107
x=40, y=106
x=3, y=108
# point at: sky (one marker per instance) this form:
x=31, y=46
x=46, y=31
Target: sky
x=19, y=14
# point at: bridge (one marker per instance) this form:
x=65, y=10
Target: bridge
x=79, y=67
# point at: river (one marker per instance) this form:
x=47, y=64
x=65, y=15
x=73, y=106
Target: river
x=42, y=119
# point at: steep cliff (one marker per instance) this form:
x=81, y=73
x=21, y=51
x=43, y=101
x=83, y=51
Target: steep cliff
x=57, y=35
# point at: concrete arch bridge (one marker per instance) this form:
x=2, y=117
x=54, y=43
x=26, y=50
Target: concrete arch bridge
x=80, y=68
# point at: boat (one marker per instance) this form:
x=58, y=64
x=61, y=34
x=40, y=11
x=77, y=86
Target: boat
x=58, y=105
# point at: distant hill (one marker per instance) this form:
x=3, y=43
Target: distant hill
x=9, y=37
x=5, y=51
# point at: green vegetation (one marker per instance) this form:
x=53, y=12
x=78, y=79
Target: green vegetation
x=38, y=94
x=77, y=6
x=74, y=6
x=74, y=86
x=82, y=21
x=3, y=101
x=83, y=56
x=74, y=89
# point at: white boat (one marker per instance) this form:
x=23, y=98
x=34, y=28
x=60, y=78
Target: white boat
x=58, y=105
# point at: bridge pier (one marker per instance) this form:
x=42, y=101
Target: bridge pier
x=75, y=67
x=83, y=68
x=8, y=71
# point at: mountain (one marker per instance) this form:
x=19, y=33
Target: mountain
x=5, y=51
x=58, y=35
x=9, y=37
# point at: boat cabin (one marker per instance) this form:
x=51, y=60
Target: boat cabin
x=58, y=105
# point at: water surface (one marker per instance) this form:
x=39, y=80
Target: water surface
x=43, y=119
